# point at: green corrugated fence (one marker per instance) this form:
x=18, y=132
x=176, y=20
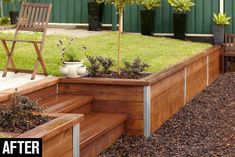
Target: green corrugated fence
x=199, y=19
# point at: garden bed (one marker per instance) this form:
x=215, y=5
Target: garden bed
x=203, y=127
x=144, y=100
x=55, y=134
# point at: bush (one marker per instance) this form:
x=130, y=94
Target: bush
x=19, y=114
x=106, y=64
x=4, y=20
x=134, y=69
x=94, y=66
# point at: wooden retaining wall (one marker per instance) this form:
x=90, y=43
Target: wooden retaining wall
x=176, y=86
x=124, y=99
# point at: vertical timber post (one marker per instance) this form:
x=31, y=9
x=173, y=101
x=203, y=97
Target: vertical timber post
x=76, y=140
x=147, y=111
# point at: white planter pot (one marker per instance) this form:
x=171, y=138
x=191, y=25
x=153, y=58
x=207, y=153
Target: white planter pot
x=64, y=71
x=81, y=70
x=79, y=64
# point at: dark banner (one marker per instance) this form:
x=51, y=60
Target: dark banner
x=20, y=147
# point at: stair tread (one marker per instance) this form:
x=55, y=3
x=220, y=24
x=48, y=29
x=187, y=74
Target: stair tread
x=96, y=124
x=64, y=103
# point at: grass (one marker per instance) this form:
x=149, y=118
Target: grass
x=159, y=53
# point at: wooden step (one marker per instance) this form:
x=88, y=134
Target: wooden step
x=65, y=103
x=99, y=131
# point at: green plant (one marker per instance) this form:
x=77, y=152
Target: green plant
x=67, y=52
x=119, y=5
x=94, y=66
x=106, y=64
x=134, y=69
x=19, y=114
x=4, y=20
x=150, y=4
x=181, y=6
x=221, y=19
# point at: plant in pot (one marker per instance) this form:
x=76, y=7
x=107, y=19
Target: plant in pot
x=220, y=21
x=14, y=14
x=70, y=64
x=95, y=15
x=147, y=16
x=181, y=9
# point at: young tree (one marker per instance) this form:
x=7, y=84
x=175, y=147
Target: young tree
x=120, y=5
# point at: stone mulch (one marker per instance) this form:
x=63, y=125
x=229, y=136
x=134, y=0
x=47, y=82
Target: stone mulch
x=203, y=127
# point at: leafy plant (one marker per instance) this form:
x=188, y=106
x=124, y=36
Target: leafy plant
x=221, y=19
x=68, y=53
x=94, y=65
x=181, y=6
x=18, y=115
x=4, y=20
x=119, y=5
x=150, y=4
x=133, y=69
x=106, y=64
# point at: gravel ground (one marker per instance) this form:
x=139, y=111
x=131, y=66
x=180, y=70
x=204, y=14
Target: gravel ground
x=204, y=127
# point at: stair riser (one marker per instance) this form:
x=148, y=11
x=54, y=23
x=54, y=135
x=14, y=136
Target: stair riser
x=103, y=142
x=84, y=109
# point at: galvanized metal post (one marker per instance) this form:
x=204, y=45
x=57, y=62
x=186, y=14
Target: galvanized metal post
x=221, y=6
x=147, y=111
x=207, y=70
x=1, y=7
x=185, y=85
x=76, y=140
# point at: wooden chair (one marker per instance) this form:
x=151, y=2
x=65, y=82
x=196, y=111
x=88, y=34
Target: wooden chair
x=229, y=50
x=34, y=18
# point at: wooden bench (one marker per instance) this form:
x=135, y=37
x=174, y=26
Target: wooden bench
x=229, y=50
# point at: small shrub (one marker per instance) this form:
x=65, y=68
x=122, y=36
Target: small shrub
x=134, y=69
x=18, y=115
x=221, y=19
x=4, y=20
x=94, y=66
x=106, y=64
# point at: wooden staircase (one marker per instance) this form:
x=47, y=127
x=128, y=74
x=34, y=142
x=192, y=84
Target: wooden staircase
x=98, y=130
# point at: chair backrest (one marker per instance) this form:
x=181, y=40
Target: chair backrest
x=34, y=17
x=229, y=42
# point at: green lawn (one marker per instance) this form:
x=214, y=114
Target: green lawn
x=157, y=52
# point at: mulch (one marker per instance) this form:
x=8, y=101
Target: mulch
x=203, y=127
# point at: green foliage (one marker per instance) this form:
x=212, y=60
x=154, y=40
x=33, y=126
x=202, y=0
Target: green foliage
x=106, y=64
x=150, y=4
x=18, y=112
x=133, y=69
x=67, y=51
x=94, y=66
x=119, y=4
x=4, y=20
x=181, y=6
x=221, y=19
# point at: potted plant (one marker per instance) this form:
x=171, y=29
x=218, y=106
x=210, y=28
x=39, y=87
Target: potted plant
x=220, y=20
x=147, y=16
x=95, y=15
x=70, y=64
x=181, y=9
x=14, y=14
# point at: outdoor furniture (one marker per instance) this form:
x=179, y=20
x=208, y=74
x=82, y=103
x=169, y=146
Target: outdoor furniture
x=229, y=50
x=34, y=18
